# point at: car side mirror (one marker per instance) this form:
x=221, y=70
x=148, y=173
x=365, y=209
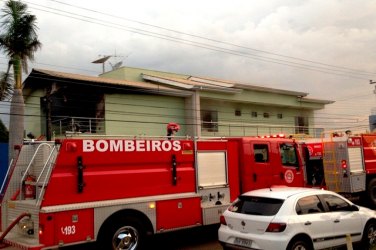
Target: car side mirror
x=354, y=208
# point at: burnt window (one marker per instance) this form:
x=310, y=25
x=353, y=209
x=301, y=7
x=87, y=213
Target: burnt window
x=301, y=125
x=209, y=120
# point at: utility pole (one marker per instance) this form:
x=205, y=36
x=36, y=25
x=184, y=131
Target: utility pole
x=372, y=82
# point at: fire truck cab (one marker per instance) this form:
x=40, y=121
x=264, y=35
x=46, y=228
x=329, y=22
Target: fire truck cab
x=118, y=191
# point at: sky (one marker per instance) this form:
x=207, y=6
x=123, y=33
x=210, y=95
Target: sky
x=326, y=48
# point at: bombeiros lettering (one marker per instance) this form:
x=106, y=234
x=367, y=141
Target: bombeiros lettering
x=130, y=146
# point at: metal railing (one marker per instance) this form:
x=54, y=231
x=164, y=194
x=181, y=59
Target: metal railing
x=255, y=129
x=66, y=125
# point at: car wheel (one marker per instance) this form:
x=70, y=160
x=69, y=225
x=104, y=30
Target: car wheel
x=124, y=234
x=369, y=235
x=299, y=244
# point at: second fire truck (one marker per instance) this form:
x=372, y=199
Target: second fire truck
x=344, y=164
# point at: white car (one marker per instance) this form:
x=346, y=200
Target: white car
x=295, y=219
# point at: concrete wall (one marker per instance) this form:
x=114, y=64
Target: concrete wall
x=137, y=114
x=280, y=120
x=34, y=119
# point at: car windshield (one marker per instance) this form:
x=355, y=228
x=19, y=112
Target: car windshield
x=256, y=205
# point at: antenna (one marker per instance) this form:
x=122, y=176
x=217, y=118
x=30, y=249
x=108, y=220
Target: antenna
x=102, y=61
x=116, y=65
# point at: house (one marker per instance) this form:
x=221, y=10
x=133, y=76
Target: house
x=134, y=101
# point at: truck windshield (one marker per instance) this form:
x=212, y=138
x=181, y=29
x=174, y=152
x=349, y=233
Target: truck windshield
x=288, y=155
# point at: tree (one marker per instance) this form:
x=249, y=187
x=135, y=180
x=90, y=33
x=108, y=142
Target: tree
x=19, y=41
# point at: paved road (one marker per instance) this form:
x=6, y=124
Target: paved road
x=200, y=238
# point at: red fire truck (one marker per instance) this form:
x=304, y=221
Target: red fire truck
x=344, y=164
x=118, y=191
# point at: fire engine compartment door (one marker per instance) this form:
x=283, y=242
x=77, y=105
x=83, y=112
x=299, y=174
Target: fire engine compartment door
x=356, y=168
x=355, y=159
x=67, y=227
x=213, y=184
x=178, y=213
x=211, y=169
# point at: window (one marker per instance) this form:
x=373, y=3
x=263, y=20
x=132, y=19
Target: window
x=301, y=125
x=238, y=112
x=254, y=114
x=288, y=155
x=261, y=152
x=309, y=205
x=209, y=120
x=336, y=203
x=266, y=115
x=256, y=205
x=279, y=116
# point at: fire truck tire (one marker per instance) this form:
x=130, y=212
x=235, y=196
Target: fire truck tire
x=371, y=192
x=125, y=233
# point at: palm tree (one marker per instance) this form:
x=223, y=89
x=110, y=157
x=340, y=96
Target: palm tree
x=19, y=41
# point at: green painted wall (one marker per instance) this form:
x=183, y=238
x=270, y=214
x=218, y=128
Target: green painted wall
x=137, y=114
x=247, y=101
x=257, y=97
x=34, y=119
x=245, y=124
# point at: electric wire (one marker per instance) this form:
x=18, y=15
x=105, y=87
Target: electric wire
x=339, y=72
x=213, y=40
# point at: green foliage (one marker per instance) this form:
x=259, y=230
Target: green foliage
x=4, y=134
x=19, y=41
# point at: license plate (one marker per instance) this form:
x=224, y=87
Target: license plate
x=243, y=242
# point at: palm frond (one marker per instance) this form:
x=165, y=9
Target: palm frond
x=6, y=86
x=19, y=39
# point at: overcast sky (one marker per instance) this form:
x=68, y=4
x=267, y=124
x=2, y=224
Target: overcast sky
x=326, y=48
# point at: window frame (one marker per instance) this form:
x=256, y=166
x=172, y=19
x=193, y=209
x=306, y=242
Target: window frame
x=209, y=120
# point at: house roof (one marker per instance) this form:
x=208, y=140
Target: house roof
x=189, y=84
x=231, y=87
x=42, y=74
x=247, y=86
x=163, y=84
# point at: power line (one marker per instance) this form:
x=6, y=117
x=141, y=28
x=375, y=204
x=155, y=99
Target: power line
x=214, y=40
x=334, y=70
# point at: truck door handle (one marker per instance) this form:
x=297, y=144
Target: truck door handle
x=336, y=221
x=80, y=175
x=282, y=176
x=308, y=223
x=174, y=178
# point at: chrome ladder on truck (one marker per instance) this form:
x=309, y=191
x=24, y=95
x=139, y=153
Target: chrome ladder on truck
x=24, y=188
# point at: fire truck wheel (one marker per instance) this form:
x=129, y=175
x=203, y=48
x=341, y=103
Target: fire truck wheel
x=372, y=192
x=126, y=233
